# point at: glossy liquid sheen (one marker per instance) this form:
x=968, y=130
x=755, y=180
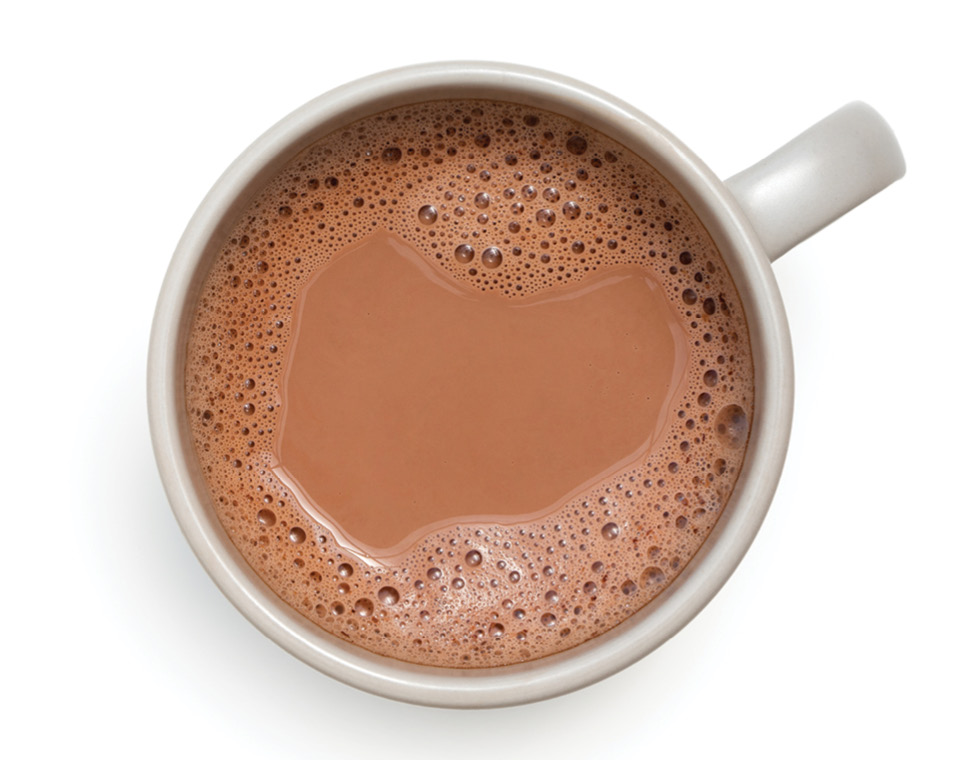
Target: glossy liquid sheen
x=410, y=403
x=469, y=384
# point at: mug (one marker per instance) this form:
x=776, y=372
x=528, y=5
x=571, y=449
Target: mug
x=753, y=218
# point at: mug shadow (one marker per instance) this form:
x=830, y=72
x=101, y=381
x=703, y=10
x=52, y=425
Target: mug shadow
x=187, y=632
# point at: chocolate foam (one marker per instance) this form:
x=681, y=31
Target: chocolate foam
x=505, y=203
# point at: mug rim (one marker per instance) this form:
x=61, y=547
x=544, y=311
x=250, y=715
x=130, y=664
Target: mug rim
x=647, y=628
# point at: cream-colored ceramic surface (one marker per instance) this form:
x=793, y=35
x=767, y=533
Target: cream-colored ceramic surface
x=829, y=169
x=747, y=259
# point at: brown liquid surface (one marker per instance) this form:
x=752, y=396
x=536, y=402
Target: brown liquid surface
x=469, y=384
x=410, y=403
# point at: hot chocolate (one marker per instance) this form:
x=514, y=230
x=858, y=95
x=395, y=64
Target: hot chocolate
x=469, y=383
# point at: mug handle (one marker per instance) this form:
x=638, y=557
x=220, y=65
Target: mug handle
x=814, y=179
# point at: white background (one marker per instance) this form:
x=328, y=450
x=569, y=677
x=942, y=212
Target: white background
x=849, y=630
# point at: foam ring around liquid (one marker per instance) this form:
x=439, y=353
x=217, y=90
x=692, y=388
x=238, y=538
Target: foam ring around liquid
x=505, y=199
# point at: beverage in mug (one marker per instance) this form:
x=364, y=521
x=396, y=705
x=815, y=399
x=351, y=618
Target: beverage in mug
x=469, y=383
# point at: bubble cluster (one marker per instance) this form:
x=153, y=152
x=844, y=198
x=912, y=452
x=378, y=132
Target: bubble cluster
x=506, y=200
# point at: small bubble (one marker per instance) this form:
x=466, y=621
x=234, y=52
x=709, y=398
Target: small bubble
x=428, y=214
x=496, y=630
x=345, y=570
x=514, y=577
x=391, y=155
x=551, y=195
x=337, y=608
x=578, y=247
x=297, y=535
x=529, y=192
x=434, y=573
x=704, y=399
x=364, y=607
x=482, y=140
x=482, y=200
x=248, y=409
x=458, y=583
x=548, y=620
x=571, y=210
x=474, y=558
x=266, y=517
x=686, y=257
x=652, y=576
x=285, y=211
x=731, y=425
x=577, y=145
x=709, y=306
x=597, y=567
x=551, y=597
x=710, y=378
x=388, y=596
x=590, y=588
x=530, y=120
x=610, y=531
x=492, y=258
x=516, y=208
x=546, y=217
x=689, y=297
x=464, y=253
x=629, y=587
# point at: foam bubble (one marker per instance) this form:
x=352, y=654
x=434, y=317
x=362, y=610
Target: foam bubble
x=731, y=426
x=491, y=258
x=388, y=595
x=428, y=214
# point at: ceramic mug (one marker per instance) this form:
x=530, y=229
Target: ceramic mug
x=753, y=218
